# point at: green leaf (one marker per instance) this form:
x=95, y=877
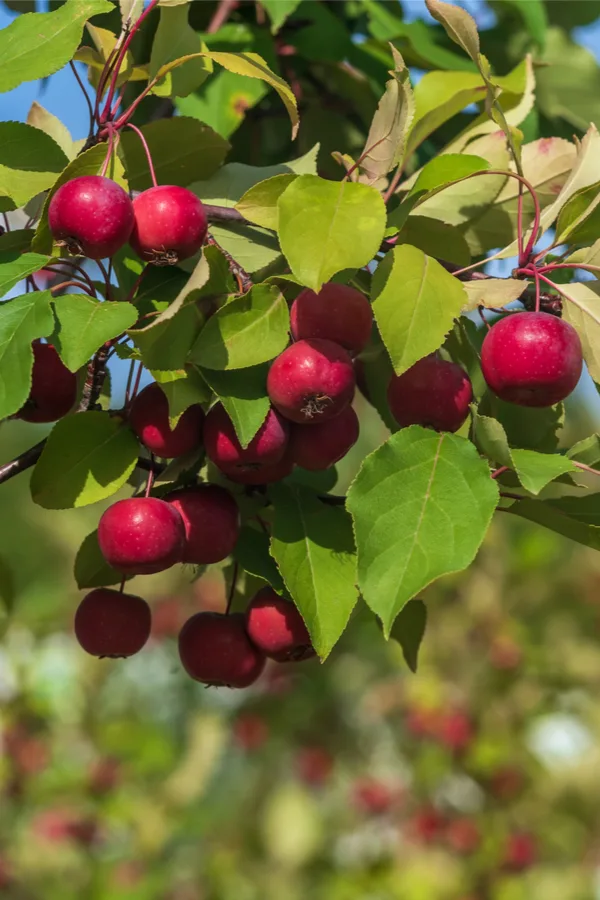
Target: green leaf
x=582, y=311
x=174, y=38
x=313, y=546
x=22, y=320
x=421, y=505
x=181, y=393
x=188, y=290
x=327, y=226
x=17, y=241
x=568, y=81
x=251, y=65
x=435, y=239
x=15, y=266
x=252, y=553
x=536, y=470
x=87, y=457
x=446, y=170
x=386, y=140
x=166, y=347
x=490, y=438
x=459, y=25
x=183, y=150
x=40, y=118
x=493, y=293
x=243, y=393
x=38, y=44
x=260, y=203
x=415, y=302
x=88, y=163
x=30, y=161
x=247, y=331
x=533, y=13
x=279, y=11
x=85, y=324
x=409, y=630
x=573, y=517
x=438, y=97
x=224, y=101
x=579, y=218
x=90, y=568
x=526, y=427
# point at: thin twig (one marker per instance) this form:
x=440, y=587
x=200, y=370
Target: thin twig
x=73, y=283
x=222, y=13
x=22, y=462
x=86, y=95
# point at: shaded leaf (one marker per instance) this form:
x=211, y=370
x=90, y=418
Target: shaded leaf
x=260, y=203
x=243, y=393
x=435, y=239
x=582, y=311
x=85, y=324
x=22, y=320
x=30, y=161
x=252, y=553
x=409, y=630
x=91, y=569
x=173, y=39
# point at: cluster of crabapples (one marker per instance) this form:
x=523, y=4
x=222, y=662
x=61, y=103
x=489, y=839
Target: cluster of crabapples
x=531, y=359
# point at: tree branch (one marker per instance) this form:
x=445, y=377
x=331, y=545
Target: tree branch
x=244, y=281
x=22, y=462
x=222, y=13
x=224, y=214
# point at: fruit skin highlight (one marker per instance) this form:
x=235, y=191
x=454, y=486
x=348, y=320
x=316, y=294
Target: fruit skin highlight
x=318, y=447
x=215, y=649
x=53, y=387
x=149, y=418
x=141, y=535
x=275, y=626
x=170, y=225
x=212, y=522
x=433, y=393
x=337, y=313
x=111, y=623
x=91, y=216
x=532, y=359
x=311, y=381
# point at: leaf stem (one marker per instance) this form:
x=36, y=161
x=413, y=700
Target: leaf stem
x=73, y=283
x=121, y=56
x=146, y=151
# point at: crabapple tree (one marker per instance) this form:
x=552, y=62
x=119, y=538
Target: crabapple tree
x=258, y=297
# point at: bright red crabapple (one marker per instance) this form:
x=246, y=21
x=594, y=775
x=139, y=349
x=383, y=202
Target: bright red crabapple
x=275, y=626
x=531, y=359
x=141, y=535
x=215, y=649
x=111, y=623
x=311, y=381
x=318, y=447
x=53, y=388
x=224, y=449
x=338, y=313
x=434, y=393
x=170, y=225
x=91, y=216
x=212, y=522
x=149, y=418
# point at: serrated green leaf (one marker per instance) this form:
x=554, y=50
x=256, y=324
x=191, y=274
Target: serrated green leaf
x=438, y=97
x=526, y=427
x=183, y=151
x=459, y=25
x=493, y=293
x=279, y=11
x=415, y=302
x=22, y=320
x=313, y=546
x=328, y=226
x=260, y=203
x=15, y=266
x=409, y=629
x=421, y=505
x=582, y=311
x=87, y=457
x=91, y=569
x=181, y=393
x=17, y=241
x=446, y=170
x=38, y=44
x=577, y=518
x=166, y=347
x=247, y=331
x=85, y=324
x=436, y=239
x=490, y=438
x=30, y=161
x=578, y=219
x=252, y=553
x=536, y=470
x=243, y=393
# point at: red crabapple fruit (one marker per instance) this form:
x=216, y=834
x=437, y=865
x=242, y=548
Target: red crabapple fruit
x=318, y=447
x=311, y=381
x=53, y=387
x=91, y=216
x=337, y=313
x=434, y=393
x=275, y=626
x=215, y=649
x=141, y=535
x=224, y=449
x=111, y=623
x=212, y=522
x=149, y=418
x=170, y=225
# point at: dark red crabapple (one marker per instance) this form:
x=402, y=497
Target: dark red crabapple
x=463, y=836
x=215, y=649
x=91, y=216
x=170, y=224
x=275, y=626
x=141, y=535
x=506, y=783
x=53, y=388
x=434, y=393
x=426, y=825
x=455, y=730
x=318, y=447
x=110, y=623
x=311, y=381
x=149, y=418
x=372, y=796
x=262, y=474
x=314, y=765
x=250, y=731
x=212, y=522
x=224, y=449
x=532, y=359
x=520, y=852
x=338, y=313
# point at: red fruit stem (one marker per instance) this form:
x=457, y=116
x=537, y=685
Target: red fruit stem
x=222, y=13
x=551, y=266
x=585, y=468
x=520, y=221
x=136, y=385
x=66, y=284
x=393, y=183
x=113, y=140
x=232, y=586
x=85, y=94
x=104, y=76
x=146, y=151
x=497, y=472
x=118, y=101
x=106, y=276
x=121, y=56
x=53, y=267
x=122, y=585
x=150, y=480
